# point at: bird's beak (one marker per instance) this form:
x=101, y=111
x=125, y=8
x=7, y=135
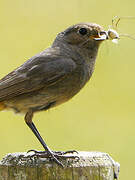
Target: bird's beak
x=100, y=37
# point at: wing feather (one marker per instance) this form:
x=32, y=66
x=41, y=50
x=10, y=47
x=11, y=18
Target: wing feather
x=34, y=76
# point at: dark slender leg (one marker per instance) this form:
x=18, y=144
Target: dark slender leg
x=28, y=120
x=47, y=153
x=35, y=131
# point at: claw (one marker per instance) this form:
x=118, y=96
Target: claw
x=46, y=154
x=71, y=151
x=54, y=155
x=65, y=152
x=32, y=150
x=35, y=151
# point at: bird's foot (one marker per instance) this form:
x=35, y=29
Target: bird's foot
x=66, y=152
x=55, y=155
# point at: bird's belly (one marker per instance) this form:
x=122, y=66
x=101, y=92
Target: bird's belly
x=36, y=103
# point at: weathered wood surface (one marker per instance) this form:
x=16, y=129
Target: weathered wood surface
x=90, y=166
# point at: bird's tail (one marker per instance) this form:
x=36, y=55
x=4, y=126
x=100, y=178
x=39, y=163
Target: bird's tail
x=2, y=106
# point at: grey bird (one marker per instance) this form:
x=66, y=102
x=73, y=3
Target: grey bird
x=52, y=77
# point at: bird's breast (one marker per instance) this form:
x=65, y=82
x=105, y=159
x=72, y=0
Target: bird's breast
x=70, y=85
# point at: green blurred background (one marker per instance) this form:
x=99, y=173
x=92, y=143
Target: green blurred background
x=102, y=116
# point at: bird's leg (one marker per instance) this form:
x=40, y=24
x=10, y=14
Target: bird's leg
x=47, y=153
x=28, y=120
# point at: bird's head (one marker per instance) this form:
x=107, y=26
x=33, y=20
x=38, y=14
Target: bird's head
x=83, y=35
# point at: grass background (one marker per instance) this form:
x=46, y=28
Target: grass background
x=102, y=116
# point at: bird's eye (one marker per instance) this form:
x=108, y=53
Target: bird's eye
x=83, y=31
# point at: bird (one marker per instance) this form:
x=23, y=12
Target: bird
x=52, y=77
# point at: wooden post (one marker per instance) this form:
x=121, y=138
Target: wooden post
x=90, y=166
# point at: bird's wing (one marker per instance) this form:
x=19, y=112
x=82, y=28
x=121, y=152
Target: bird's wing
x=35, y=74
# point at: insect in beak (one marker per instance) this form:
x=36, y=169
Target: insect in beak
x=110, y=34
x=113, y=35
